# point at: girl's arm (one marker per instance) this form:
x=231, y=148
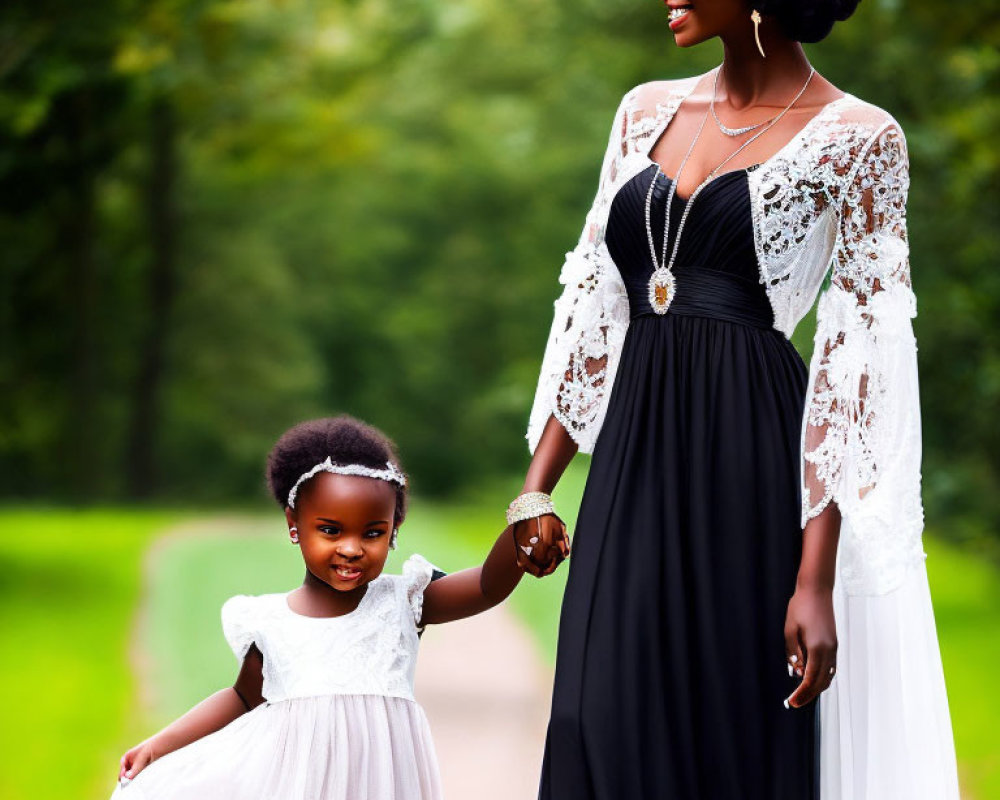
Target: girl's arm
x=472, y=591
x=211, y=714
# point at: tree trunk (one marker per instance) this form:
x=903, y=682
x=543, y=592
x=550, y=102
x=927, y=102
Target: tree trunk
x=161, y=286
x=76, y=220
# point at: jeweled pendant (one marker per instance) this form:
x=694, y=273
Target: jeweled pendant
x=661, y=290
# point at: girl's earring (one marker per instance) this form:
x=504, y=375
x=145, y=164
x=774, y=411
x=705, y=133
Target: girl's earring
x=755, y=16
x=293, y=532
x=392, y=539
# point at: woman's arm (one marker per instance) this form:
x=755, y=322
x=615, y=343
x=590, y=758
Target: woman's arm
x=810, y=629
x=472, y=591
x=555, y=450
x=211, y=714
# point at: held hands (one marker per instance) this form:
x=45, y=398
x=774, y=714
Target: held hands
x=541, y=544
x=135, y=761
x=810, y=643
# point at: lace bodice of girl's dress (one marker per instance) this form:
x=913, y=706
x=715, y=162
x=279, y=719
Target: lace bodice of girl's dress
x=370, y=651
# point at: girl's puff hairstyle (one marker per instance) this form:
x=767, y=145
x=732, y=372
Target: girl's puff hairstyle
x=344, y=440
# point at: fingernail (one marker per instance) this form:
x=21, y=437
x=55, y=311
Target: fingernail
x=790, y=670
x=798, y=670
x=794, y=659
x=785, y=701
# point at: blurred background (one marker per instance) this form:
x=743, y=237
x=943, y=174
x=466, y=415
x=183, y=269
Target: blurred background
x=219, y=217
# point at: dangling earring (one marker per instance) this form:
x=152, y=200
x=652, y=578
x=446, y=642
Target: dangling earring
x=392, y=539
x=755, y=16
x=293, y=532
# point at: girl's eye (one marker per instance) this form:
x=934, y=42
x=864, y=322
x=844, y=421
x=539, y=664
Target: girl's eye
x=374, y=533
x=328, y=530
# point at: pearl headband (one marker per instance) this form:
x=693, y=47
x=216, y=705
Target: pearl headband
x=391, y=473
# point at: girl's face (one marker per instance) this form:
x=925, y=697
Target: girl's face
x=705, y=19
x=344, y=525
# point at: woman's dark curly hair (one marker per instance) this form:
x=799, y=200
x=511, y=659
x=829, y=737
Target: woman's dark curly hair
x=344, y=439
x=806, y=20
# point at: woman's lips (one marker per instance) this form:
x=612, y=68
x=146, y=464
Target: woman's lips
x=678, y=14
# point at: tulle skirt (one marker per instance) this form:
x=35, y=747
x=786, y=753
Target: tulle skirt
x=886, y=729
x=334, y=747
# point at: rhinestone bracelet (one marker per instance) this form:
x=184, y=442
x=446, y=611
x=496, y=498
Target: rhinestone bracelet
x=528, y=505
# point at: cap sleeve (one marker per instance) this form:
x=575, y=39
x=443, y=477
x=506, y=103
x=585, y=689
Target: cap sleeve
x=417, y=575
x=237, y=624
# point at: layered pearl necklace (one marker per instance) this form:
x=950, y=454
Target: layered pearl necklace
x=662, y=284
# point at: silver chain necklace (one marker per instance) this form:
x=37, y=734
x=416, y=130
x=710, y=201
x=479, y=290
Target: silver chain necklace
x=722, y=126
x=662, y=285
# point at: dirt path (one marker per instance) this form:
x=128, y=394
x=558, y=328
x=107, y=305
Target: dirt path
x=486, y=693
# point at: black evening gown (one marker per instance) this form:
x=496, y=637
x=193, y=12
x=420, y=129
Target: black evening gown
x=671, y=669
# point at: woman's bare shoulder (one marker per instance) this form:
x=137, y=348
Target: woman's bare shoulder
x=647, y=96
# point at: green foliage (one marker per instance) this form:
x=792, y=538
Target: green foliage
x=222, y=217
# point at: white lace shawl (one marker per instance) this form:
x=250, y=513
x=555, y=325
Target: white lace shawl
x=831, y=200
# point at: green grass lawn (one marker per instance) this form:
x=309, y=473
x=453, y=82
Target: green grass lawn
x=68, y=593
x=71, y=591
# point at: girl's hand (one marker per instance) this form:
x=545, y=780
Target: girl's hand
x=541, y=544
x=810, y=642
x=136, y=760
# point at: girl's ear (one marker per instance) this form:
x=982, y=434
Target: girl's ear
x=293, y=530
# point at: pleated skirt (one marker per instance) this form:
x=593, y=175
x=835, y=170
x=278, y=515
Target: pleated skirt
x=671, y=666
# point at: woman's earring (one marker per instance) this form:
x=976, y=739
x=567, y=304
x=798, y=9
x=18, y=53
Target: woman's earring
x=392, y=539
x=755, y=16
x=293, y=532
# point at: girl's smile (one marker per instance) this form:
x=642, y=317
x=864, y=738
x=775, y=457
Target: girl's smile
x=347, y=573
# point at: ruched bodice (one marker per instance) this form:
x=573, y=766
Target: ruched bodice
x=716, y=264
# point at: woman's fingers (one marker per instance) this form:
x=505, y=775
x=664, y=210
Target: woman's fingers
x=553, y=538
x=523, y=548
x=563, y=538
x=541, y=544
x=793, y=651
x=817, y=678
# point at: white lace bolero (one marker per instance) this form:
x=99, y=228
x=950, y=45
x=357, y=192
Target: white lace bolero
x=831, y=200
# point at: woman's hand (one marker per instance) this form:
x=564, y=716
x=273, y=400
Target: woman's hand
x=810, y=642
x=541, y=544
x=136, y=760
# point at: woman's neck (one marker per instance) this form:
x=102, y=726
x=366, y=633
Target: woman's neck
x=748, y=79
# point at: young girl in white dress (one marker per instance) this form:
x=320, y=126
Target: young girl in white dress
x=323, y=705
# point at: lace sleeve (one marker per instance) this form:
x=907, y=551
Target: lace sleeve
x=590, y=319
x=861, y=429
x=237, y=624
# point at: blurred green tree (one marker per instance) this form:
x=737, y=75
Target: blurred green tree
x=222, y=217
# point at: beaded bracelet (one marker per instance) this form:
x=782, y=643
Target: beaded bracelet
x=528, y=505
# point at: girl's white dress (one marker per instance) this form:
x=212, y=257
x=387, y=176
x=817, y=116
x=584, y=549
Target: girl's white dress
x=340, y=721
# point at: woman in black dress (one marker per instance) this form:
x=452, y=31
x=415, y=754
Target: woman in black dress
x=698, y=623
